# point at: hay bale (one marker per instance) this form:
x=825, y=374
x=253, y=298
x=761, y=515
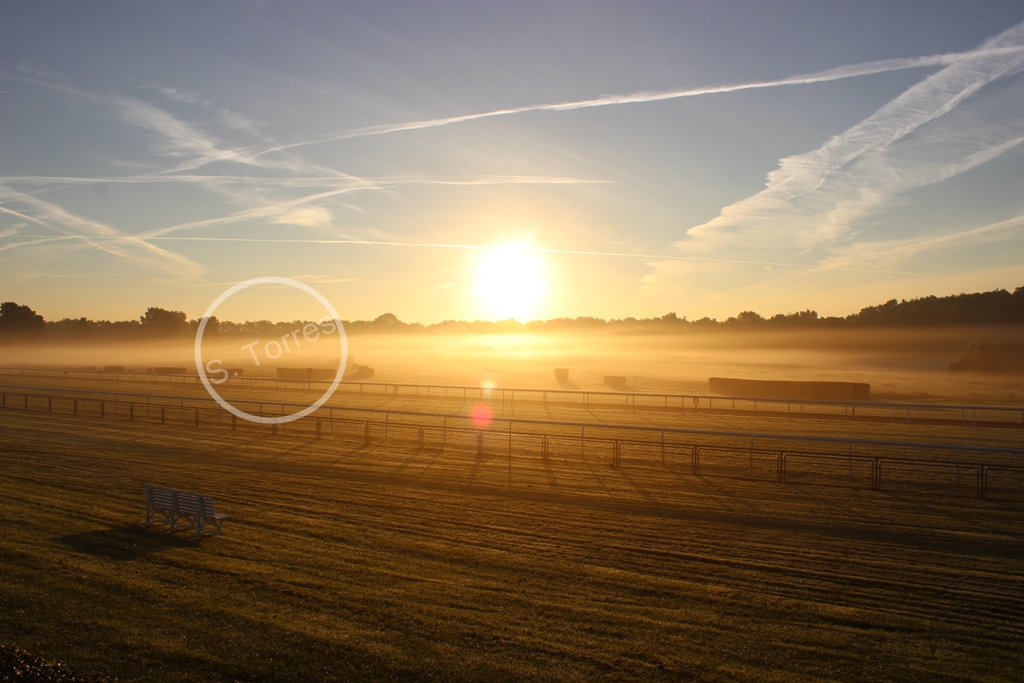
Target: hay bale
x=807, y=391
x=562, y=374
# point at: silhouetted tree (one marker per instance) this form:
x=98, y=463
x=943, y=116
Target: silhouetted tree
x=20, y=323
x=158, y=322
x=982, y=308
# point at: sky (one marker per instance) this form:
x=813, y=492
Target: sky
x=466, y=160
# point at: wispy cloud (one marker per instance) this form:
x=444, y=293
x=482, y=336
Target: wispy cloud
x=834, y=74
x=895, y=252
x=338, y=181
x=489, y=247
x=933, y=131
x=175, y=138
x=94, y=233
x=230, y=118
x=274, y=211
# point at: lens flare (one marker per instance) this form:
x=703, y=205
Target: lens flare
x=481, y=415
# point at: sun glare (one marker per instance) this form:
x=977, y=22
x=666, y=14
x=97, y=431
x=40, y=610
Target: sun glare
x=510, y=283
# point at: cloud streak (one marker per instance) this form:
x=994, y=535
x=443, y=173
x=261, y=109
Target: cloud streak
x=490, y=247
x=894, y=252
x=96, y=234
x=935, y=130
x=834, y=74
x=338, y=181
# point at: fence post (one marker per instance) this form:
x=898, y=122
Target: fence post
x=163, y=415
x=751, y=454
x=444, y=430
x=273, y=425
x=662, y=447
x=234, y=421
x=583, y=439
x=386, y=420
x=958, y=469
x=479, y=442
x=366, y=433
x=850, y=454
x=197, y=417
x=419, y=437
x=318, y=427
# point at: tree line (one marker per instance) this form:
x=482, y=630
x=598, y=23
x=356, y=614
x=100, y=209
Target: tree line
x=19, y=323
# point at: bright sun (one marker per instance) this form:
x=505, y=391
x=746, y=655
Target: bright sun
x=510, y=282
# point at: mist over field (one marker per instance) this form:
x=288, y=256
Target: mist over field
x=900, y=364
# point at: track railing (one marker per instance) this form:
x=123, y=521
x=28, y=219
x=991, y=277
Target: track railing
x=727, y=450
x=967, y=415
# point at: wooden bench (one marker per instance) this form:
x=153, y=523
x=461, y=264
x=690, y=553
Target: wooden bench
x=174, y=507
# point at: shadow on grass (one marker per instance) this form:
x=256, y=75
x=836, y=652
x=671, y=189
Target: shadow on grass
x=126, y=542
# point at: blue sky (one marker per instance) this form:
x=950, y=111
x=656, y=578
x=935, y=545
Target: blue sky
x=156, y=154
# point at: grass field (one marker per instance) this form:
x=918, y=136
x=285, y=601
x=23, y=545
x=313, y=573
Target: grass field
x=389, y=562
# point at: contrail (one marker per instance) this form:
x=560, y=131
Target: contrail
x=539, y=250
x=835, y=74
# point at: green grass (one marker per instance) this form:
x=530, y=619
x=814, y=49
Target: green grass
x=389, y=563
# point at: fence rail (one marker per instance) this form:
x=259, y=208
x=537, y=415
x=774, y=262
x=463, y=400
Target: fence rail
x=674, y=445
x=966, y=415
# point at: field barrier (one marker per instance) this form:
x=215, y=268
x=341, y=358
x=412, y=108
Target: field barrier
x=782, y=457
x=964, y=415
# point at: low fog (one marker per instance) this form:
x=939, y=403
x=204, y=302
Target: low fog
x=899, y=364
